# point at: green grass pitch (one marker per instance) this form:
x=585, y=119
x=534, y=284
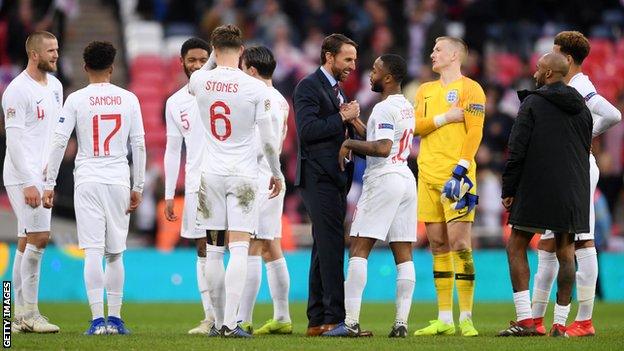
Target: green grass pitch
x=164, y=327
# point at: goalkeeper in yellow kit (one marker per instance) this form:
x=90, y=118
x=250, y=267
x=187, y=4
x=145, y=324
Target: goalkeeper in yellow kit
x=447, y=179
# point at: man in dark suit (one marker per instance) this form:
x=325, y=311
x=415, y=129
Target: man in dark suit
x=324, y=120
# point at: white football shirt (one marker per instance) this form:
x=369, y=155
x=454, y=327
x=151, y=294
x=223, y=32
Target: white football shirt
x=105, y=116
x=34, y=108
x=230, y=103
x=392, y=119
x=182, y=119
x=586, y=88
x=277, y=115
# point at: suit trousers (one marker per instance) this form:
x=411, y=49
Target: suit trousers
x=326, y=203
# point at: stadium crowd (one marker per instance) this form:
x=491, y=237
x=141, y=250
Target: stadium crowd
x=505, y=39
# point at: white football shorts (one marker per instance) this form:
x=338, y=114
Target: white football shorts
x=270, y=216
x=189, y=217
x=227, y=203
x=101, y=216
x=387, y=209
x=29, y=220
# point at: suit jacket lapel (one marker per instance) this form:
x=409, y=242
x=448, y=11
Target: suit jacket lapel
x=328, y=88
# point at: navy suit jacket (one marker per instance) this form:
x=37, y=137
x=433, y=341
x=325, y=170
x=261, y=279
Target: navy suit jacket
x=320, y=130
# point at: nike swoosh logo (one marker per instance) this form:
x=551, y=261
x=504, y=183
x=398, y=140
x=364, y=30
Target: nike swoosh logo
x=426, y=97
x=38, y=102
x=183, y=111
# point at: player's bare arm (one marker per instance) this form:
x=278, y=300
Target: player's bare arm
x=379, y=148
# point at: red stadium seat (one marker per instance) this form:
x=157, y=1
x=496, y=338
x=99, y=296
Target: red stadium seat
x=147, y=62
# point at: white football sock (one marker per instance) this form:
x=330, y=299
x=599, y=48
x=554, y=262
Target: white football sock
x=522, y=301
x=586, y=278
x=94, y=281
x=561, y=314
x=406, y=279
x=279, y=285
x=235, y=278
x=547, y=268
x=17, y=282
x=30, y=270
x=250, y=291
x=446, y=316
x=114, y=276
x=215, y=273
x=202, y=284
x=354, y=287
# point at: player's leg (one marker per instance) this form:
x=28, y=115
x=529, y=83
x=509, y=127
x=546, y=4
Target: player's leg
x=519, y=271
x=586, y=278
x=353, y=288
x=587, y=271
x=242, y=219
x=16, y=326
x=211, y=218
x=235, y=278
x=357, y=273
x=279, y=286
x=37, y=227
x=91, y=227
x=270, y=221
x=252, y=285
x=406, y=280
x=117, y=200
x=430, y=211
x=215, y=276
x=547, y=267
x=16, y=199
x=459, y=234
x=564, y=245
x=190, y=231
x=207, y=323
x=402, y=235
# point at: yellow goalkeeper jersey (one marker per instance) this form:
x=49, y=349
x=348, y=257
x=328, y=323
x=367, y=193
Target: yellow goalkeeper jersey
x=441, y=148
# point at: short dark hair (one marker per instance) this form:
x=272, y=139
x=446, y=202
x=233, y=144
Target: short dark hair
x=261, y=58
x=227, y=36
x=395, y=65
x=573, y=43
x=99, y=55
x=333, y=43
x=194, y=43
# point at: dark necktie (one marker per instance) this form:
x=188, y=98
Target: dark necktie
x=336, y=88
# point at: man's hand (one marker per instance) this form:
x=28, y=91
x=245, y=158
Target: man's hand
x=468, y=201
x=32, y=196
x=454, y=114
x=48, y=198
x=459, y=184
x=169, y=211
x=275, y=185
x=507, y=202
x=349, y=111
x=344, y=155
x=135, y=200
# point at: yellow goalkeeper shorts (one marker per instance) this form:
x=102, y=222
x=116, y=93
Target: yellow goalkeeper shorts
x=433, y=210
